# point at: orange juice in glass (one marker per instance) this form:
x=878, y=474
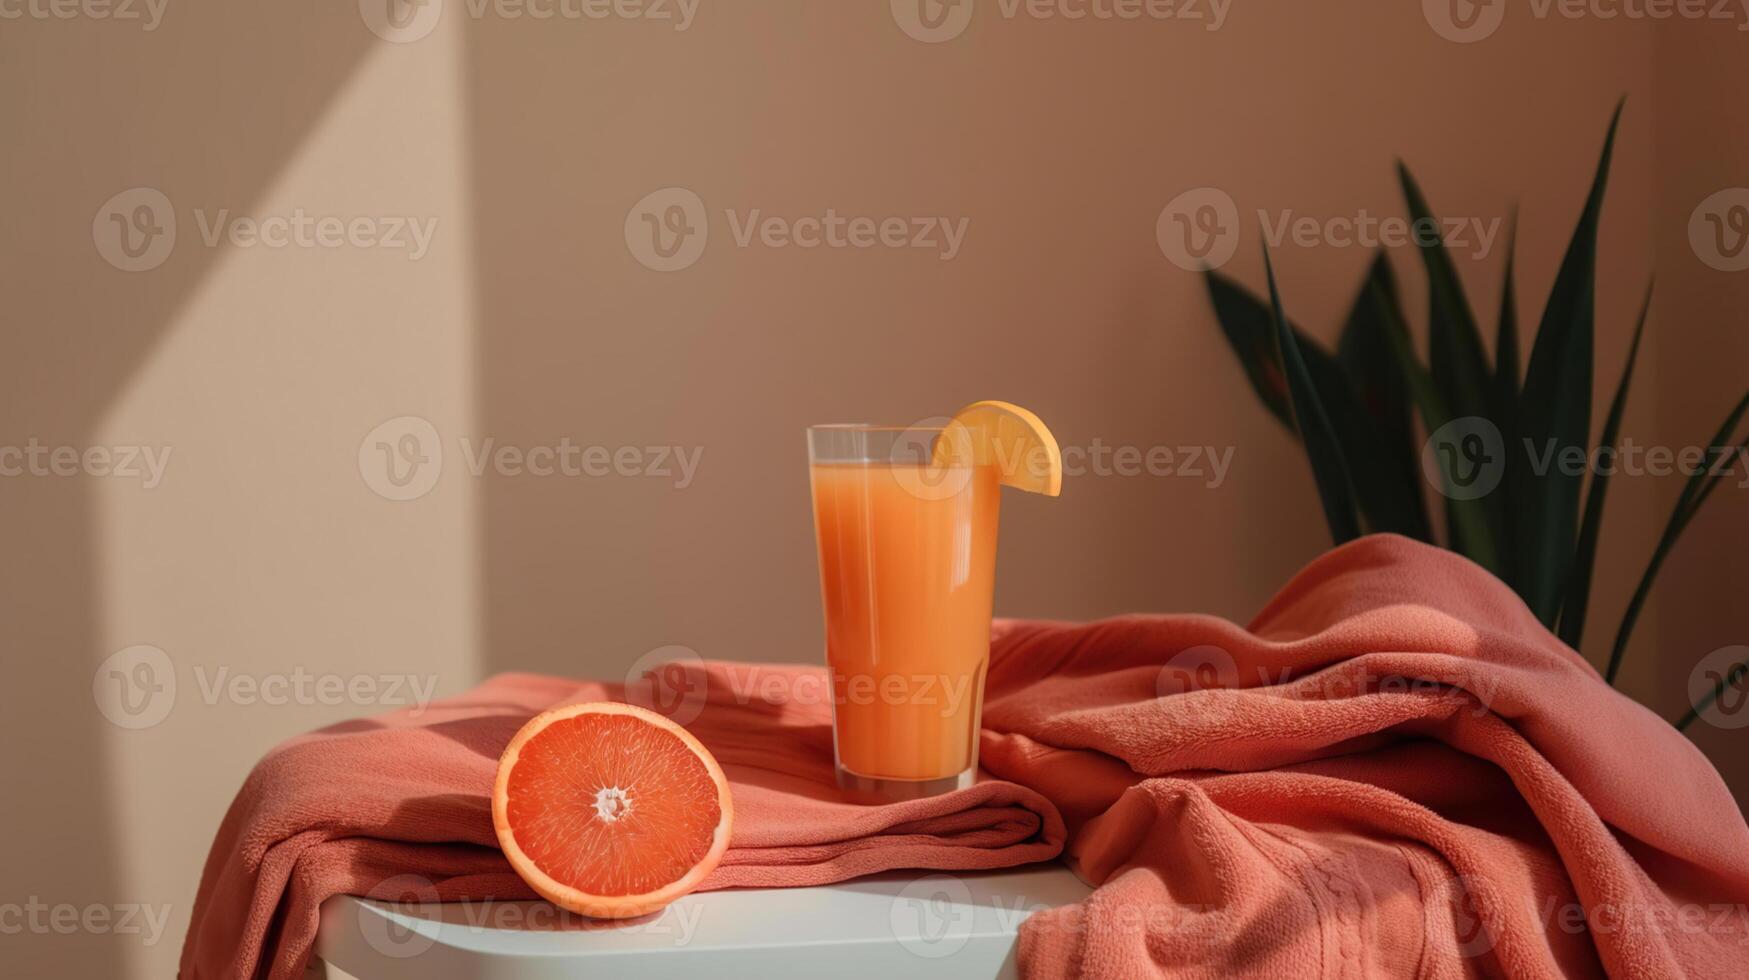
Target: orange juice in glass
x=906, y=527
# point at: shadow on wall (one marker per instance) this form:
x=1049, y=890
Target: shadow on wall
x=1060, y=299
x=207, y=105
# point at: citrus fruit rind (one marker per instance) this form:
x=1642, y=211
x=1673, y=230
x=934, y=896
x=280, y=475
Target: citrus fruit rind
x=1011, y=439
x=610, y=810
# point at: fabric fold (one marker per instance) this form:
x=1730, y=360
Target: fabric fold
x=1394, y=770
x=399, y=807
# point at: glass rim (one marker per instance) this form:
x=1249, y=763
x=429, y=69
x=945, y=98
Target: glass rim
x=870, y=427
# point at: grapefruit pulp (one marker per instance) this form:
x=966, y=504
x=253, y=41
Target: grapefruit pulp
x=610, y=810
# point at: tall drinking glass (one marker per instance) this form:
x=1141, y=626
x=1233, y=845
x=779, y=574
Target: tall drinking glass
x=907, y=567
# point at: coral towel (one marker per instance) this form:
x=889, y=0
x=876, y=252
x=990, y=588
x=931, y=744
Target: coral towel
x=1394, y=771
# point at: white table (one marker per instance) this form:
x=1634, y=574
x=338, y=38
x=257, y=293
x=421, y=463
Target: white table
x=911, y=925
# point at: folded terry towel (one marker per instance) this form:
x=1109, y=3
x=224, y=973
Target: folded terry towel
x=1395, y=771
x=400, y=807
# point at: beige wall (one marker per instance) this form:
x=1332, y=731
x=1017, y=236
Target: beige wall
x=528, y=320
x=1702, y=136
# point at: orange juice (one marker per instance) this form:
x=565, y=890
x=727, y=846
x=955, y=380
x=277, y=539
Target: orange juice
x=907, y=568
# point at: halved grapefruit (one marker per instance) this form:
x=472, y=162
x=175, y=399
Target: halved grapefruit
x=610, y=810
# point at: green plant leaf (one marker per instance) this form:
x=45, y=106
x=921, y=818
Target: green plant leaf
x=1506, y=367
x=1454, y=345
x=1387, y=499
x=1385, y=464
x=1468, y=521
x=1503, y=397
x=1555, y=412
x=1329, y=470
x=1578, y=591
x=1250, y=331
x=1694, y=493
x=1455, y=356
